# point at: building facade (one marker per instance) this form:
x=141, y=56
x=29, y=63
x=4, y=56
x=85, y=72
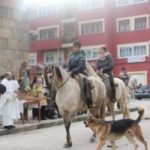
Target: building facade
x=123, y=26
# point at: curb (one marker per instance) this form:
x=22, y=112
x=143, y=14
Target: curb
x=47, y=124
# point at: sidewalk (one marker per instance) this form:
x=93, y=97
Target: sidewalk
x=35, y=124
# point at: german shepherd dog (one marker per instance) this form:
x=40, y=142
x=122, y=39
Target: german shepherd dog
x=114, y=130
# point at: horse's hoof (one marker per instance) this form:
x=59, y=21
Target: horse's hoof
x=92, y=140
x=67, y=145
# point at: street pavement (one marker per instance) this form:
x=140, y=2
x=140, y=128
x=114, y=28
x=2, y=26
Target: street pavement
x=53, y=138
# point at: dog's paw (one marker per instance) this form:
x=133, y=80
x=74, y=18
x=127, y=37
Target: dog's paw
x=92, y=140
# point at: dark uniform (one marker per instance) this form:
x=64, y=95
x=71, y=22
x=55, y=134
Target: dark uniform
x=107, y=66
x=77, y=62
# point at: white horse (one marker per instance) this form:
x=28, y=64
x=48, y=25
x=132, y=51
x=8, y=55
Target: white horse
x=121, y=96
x=132, y=85
x=68, y=96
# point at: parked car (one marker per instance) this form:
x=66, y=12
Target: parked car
x=142, y=92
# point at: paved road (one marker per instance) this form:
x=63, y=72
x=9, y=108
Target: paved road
x=53, y=138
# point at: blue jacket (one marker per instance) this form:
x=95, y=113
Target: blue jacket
x=77, y=62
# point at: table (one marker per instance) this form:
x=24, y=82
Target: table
x=30, y=100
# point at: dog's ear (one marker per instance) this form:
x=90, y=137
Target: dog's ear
x=58, y=73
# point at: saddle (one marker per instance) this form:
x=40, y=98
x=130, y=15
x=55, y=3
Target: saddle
x=86, y=87
x=105, y=79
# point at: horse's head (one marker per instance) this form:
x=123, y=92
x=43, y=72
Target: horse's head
x=52, y=75
x=133, y=82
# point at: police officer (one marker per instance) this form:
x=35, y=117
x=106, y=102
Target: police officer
x=77, y=65
x=105, y=64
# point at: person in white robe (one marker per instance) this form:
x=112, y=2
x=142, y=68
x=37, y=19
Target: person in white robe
x=9, y=106
x=7, y=82
x=14, y=84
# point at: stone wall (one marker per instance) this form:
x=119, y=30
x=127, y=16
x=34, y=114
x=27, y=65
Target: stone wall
x=14, y=44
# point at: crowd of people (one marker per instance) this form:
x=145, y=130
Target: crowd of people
x=11, y=106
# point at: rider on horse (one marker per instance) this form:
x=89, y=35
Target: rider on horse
x=77, y=66
x=105, y=65
x=124, y=76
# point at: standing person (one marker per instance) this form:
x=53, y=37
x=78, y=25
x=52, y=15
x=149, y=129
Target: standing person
x=124, y=75
x=33, y=82
x=77, y=66
x=24, y=76
x=15, y=84
x=105, y=64
x=7, y=110
x=7, y=82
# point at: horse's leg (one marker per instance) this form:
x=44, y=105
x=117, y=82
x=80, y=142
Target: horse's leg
x=124, y=108
x=111, y=108
x=68, y=137
x=102, y=110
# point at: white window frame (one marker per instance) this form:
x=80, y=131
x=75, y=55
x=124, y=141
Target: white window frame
x=91, y=21
x=132, y=22
x=56, y=54
x=132, y=45
x=33, y=57
x=48, y=27
x=84, y=9
x=130, y=2
x=92, y=47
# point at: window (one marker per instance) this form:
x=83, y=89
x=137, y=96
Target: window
x=122, y=2
x=140, y=23
x=129, y=2
x=92, y=53
x=54, y=57
x=139, y=1
x=125, y=51
x=92, y=27
x=33, y=59
x=91, y=4
x=140, y=49
x=124, y=25
x=133, y=23
x=48, y=10
x=69, y=32
x=32, y=15
x=48, y=33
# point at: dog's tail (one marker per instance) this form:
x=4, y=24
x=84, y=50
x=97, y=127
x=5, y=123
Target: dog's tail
x=141, y=114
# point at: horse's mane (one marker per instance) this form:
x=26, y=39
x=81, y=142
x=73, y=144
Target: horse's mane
x=90, y=70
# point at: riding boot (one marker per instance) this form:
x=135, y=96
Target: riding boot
x=113, y=88
x=113, y=99
x=88, y=93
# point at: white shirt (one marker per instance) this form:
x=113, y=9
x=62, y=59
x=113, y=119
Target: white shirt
x=14, y=85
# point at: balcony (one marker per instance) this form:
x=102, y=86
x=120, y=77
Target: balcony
x=41, y=45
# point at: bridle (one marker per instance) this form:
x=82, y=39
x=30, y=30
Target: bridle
x=64, y=82
x=49, y=85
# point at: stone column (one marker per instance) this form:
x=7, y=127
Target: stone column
x=13, y=36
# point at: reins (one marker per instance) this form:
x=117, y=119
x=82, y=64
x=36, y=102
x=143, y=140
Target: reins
x=64, y=82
